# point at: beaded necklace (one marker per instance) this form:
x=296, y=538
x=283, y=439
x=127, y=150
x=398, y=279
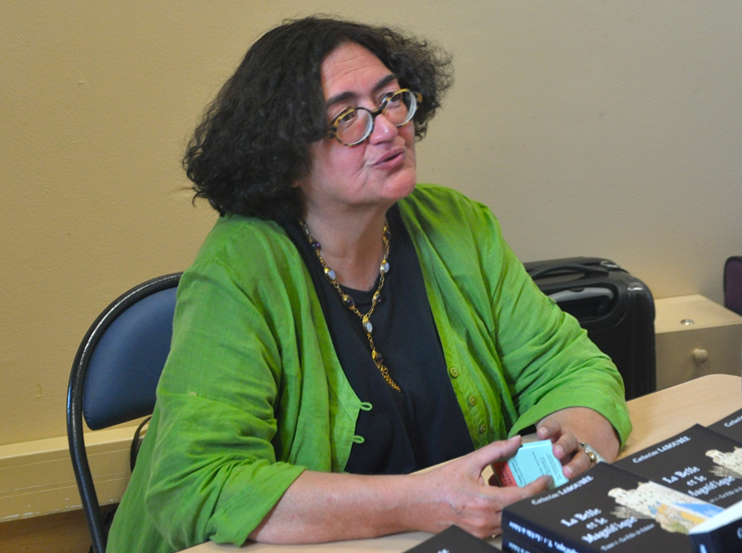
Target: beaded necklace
x=350, y=303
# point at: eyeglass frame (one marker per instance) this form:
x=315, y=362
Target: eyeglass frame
x=332, y=129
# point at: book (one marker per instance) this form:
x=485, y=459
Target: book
x=533, y=459
x=515, y=545
x=699, y=462
x=730, y=426
x=605, y=509
x=720, y=533
x=453, y=540
x=680, y=495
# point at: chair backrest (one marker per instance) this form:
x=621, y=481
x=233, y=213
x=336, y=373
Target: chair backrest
x=733, y=284
x=115, y=374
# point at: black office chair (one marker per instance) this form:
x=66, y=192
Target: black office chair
x=114, y=376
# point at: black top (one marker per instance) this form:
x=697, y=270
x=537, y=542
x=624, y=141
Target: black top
x=423, y=424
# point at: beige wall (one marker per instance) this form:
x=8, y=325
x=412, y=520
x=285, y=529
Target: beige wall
x=590, y=128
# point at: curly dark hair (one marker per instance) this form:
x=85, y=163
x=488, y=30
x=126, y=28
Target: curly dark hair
x=253, y=141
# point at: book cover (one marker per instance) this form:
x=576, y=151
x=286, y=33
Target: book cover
x=698, y=462
x=606, y=509
x=453, y=540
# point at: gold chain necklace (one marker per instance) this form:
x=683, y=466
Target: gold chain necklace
x=350, y=303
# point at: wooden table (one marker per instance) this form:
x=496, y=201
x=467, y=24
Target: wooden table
x=655, y=417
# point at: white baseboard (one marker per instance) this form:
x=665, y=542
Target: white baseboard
x=36, y=477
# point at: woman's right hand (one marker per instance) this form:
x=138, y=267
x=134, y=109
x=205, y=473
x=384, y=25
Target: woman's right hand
x=321, y=507
x=458, y=494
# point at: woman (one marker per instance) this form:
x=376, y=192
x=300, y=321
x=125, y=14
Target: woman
x=342, y=327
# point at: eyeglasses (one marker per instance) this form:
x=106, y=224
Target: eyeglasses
x=354, y=125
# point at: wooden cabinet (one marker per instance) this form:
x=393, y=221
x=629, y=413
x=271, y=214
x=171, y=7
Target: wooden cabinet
x=695, y=337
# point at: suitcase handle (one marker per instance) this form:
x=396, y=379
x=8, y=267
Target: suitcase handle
x=571, y=268
x=582, y=294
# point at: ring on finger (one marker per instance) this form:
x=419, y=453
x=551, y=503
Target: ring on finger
x=593, y=455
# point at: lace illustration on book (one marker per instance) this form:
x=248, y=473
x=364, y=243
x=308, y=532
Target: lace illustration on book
x=672, y=510
x=728, y=465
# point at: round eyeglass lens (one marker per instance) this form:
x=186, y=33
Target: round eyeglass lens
x=400, y=107
x=357, y=124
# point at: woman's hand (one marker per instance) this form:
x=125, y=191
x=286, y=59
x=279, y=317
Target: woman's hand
x=566, y=447
x=321, y=507
x=568, y=427
x=459, y=495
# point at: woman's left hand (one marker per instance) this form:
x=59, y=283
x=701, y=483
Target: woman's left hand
x=568, y=427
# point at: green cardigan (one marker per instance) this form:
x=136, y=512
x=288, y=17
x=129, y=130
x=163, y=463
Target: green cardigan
x=253, y=393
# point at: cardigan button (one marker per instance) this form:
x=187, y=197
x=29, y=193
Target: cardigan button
x=482, y=429
x=472, y=400
x=454, y=372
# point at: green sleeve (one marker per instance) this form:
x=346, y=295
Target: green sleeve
x=517, y=357
x=548, y=360
x=252, y=394
x=214, y=472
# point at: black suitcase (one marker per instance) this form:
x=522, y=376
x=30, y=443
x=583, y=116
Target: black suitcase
x=615, y=308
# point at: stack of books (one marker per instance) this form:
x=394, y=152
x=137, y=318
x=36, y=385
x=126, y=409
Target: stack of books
x=681, y=495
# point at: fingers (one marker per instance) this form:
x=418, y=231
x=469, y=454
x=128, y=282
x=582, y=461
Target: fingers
x=492, y=453
x=579, y=463
x=482, y=517
x=541, y=484
x=566, y=446
x=478, y=509
x=514, y=493
x=509, y=495
x=469, y=468
x=549, y=429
